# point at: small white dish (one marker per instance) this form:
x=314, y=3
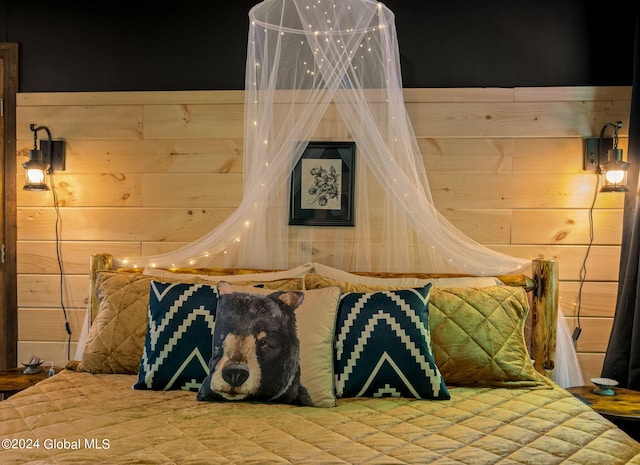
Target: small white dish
x=604, y=386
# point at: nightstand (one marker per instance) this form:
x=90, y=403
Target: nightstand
x=623, y=409
x=13, y=380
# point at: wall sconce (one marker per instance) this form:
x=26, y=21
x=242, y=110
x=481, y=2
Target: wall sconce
x=49, y=158
x=613, y=170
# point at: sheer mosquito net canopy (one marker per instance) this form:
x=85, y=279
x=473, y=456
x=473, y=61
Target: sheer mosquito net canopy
x=320, y=70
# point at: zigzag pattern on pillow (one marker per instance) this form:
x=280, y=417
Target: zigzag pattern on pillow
x=178, y=344
x=383, y=348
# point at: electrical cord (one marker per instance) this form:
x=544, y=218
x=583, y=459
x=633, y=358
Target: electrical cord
x=59, y=258
x=583, y=268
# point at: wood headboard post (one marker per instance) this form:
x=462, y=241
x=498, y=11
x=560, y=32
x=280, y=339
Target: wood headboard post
x=99, y=262
x=544, y=315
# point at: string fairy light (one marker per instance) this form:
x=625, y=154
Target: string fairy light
x=355, y=43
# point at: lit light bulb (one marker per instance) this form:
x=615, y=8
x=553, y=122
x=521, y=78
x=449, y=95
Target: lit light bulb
x=35, y=176
x=615, y=176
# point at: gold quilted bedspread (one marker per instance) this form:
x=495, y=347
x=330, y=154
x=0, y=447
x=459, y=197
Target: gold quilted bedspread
x=81, y=418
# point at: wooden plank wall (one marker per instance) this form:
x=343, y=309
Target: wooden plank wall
x=150, y=171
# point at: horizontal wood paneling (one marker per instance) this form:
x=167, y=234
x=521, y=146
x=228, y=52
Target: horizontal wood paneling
x=147, y=157
x=591, y=364
x=602, y=263
x=47, y=324
x=460, y=190
x=83, y=122
x=595, y=334
x=192, y=190
x=598, y=299
x=125, y=190
x=569, y=226
x=527, y=155
x=196, y=121
x=515, y=119
x=562, y=94
x=43, y=291
x=39, y=257
x=39, y=99
x=121, y=224
x=426, y=95
x=148, y=172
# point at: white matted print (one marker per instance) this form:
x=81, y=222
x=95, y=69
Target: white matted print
x=322, y=185
x=321, y=180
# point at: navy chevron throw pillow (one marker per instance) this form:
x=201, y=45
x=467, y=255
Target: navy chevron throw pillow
x=383, y=346
x=178, y=343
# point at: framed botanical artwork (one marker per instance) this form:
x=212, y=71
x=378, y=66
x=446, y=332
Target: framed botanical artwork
x=322, y=185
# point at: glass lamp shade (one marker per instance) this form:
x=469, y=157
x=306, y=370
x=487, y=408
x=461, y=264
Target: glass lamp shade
x=35, y=171
x=614, y=173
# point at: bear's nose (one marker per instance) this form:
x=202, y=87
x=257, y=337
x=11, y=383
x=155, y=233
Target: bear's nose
x=235, y=374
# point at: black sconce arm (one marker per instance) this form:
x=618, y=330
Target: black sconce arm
x=615, y=127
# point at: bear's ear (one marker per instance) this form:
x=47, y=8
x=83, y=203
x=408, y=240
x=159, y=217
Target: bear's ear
x=292, y=299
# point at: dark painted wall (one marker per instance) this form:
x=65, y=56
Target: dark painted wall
x=122, y=45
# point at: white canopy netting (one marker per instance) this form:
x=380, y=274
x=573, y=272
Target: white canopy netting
x=316, y=69
x=318, y=63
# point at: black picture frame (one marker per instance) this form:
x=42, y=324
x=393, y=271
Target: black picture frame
x=322, y=185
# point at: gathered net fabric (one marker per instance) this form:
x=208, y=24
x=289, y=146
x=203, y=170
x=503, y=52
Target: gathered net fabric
x=321, y=70
x=317, y=68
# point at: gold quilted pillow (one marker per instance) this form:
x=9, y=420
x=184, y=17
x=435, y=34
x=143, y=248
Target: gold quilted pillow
x=477, y=333
x=116, y=339
x=477, y=336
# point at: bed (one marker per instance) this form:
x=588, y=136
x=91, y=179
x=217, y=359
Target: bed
x=445, y=369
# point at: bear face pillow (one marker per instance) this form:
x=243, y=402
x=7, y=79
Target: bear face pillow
x=256, y=350
x=273, y=346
